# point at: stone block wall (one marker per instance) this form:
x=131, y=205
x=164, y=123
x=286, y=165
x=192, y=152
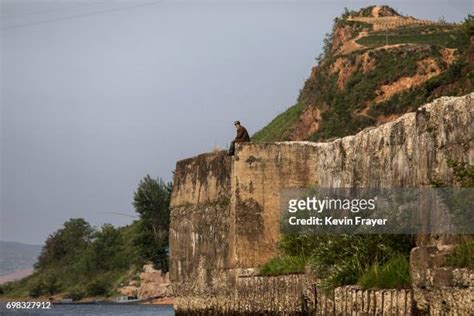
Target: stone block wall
x=438, y=288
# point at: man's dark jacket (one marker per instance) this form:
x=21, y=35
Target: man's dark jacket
x=242, y=135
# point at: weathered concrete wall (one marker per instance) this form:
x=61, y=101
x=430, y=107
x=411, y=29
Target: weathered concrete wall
x=225, y=211
x=202, y=179
x=200, y=220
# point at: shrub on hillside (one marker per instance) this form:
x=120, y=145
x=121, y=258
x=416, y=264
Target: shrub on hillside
x=463, y=255
x=283, y=265
x=395, y=273
x=37, y=289
x=343, y=259
x=98, y=287
x=76, y=294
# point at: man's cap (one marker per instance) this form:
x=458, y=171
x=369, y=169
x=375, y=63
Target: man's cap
x=237, y=122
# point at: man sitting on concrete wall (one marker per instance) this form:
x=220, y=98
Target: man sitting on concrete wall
x=241, y=137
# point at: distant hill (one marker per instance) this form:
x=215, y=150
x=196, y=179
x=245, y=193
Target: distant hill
x=376, y=66
x=15, y=257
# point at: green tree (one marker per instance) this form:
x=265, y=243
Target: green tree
x=66, y=243
x=151, y=202
x=107, y=250
x=469, y=24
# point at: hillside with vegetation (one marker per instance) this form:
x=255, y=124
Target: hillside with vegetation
x=377, y=65
x=79, y=260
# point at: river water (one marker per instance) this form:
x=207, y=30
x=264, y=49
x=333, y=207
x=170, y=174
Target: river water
x=94, y=309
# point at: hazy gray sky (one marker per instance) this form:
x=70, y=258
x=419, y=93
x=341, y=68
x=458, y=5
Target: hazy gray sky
x=96, y=94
